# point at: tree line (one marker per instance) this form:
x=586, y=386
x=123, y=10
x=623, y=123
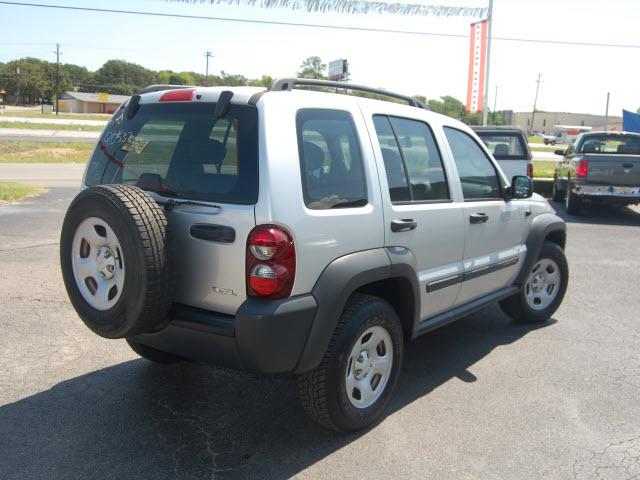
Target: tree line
x=37, y=79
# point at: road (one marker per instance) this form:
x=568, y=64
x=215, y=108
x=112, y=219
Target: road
x=43, y=174
x=478, y=399
x=58, y=136
x=54, y=120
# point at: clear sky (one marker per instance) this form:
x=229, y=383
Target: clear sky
x=575, y=78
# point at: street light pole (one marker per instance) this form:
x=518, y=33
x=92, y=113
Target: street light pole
x=495, y=100
x=485, y=100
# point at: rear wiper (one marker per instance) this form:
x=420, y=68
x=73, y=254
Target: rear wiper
x=361, y=202
x=171, y=203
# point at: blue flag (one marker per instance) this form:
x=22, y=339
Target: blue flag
x=630, y=121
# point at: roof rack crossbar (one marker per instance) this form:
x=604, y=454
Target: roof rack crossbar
x=291, y=83
x=157, y=88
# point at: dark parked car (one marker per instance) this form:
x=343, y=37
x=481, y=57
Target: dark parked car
x=599, y=167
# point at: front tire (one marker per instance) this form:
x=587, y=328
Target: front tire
x=543, y=290
x=358, y=374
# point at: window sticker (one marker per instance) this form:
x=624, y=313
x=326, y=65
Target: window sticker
x=135, y=144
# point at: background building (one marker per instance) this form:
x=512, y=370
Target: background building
x=81, y=102
x=544, y=121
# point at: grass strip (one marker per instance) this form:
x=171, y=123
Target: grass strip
x=12, y=192
x=43, y=152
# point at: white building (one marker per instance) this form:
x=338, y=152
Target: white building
x=544, y=121
x=81, y=102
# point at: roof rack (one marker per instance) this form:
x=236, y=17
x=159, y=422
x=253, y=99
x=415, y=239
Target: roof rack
x=291, y=83
x=157, y=88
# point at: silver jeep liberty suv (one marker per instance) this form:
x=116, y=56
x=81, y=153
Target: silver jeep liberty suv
x=292, y=231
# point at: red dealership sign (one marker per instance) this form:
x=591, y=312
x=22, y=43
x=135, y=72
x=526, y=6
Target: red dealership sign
x=477, y=63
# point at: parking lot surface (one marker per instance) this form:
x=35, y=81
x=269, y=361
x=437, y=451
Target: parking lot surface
x=481, y=398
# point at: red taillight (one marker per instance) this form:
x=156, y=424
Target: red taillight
x=182, y=95
x=271, y=262
x=530, y=170
x=582, y=169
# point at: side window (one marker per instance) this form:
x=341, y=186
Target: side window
x=409, y=152
x=478, y=176
x=330, y=160
x=393, y=165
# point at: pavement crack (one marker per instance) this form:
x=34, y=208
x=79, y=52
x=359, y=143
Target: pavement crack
x=3, y=250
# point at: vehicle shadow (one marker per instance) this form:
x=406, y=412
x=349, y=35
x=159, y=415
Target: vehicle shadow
x=140, y=420
x=601, y=214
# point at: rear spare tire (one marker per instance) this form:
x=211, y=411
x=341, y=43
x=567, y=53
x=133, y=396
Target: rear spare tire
x=115, y=260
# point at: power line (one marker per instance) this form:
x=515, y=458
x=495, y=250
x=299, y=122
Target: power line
x=315, y=25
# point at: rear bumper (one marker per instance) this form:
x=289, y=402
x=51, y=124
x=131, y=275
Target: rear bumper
x=265, y=336
x=613, y=193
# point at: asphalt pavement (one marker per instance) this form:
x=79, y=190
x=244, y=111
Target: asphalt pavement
x=478, y=399
x=43, y=174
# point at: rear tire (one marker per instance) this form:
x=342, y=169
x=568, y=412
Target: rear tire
x=152, y=354
x=573, y=202
x=354, y=382
x=543, y=290
x=557, y=195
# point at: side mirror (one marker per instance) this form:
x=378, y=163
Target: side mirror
x=521, y=187
x=560, y=152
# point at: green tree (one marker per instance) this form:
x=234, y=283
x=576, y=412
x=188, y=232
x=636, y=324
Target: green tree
x=264, y=81
x=448, y=105
x=36, y=79
x=120, y=77
x=77, y=75
x=312, y=67
x=231, y=80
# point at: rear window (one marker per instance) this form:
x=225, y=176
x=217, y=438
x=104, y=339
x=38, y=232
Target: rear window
x=610, y=144
x=504, y=146
x=182, y=150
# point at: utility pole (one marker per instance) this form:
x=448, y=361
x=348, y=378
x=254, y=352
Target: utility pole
x=206, y=75
x=606, y=115
x=57, y=77
x=486, y=68
x=17, y=82
x=495, y=100
x=535, y=101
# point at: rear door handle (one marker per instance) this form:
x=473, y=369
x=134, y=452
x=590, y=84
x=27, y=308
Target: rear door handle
x=403, y=225
x=627, y=165
x=478, y=217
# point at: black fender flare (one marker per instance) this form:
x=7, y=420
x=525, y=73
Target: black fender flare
x=332, y=290
x=541, y=226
